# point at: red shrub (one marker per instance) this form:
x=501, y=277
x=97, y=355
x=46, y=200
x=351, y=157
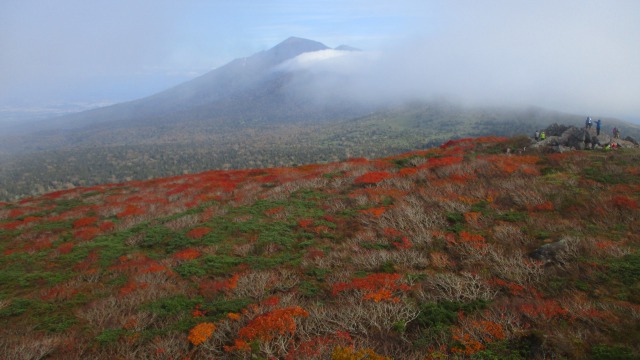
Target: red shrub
x=266, y=327
x=474, y=240
x=197, y=233
x=14, y=213
x=545, y=206
x=373, y=177
x=474, y=335
x=66, y=247
x=625, y=203
x=107, y=226
x=86, y=234
x=211, y=288
x=84, y=222
x=543, y=310
x=130, y=210
x=443, y=161
x=187, y=254
x=305, y=223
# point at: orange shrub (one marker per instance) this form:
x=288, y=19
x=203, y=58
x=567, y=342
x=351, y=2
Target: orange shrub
x=201, y=332
x=267, y=326
x=187, y=254
x=474, y=335
x=376, y=287
x=376, y=211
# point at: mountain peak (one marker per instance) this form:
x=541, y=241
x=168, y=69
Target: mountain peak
x=294, y=41
x=295, y=46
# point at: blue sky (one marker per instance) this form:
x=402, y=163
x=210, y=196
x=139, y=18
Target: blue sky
x=570, y=55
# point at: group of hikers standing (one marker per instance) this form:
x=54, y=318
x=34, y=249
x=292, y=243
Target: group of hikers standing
x=540, y=134
x=589, y=123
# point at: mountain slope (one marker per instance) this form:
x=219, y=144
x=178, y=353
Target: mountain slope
x=456, y=251
x=120, y=154
x=253, y=112
x=244, y=90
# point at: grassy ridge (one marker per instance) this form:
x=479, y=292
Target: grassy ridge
x=429, y=253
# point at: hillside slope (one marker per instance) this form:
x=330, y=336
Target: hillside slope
x=460, y=250
x=118, y=155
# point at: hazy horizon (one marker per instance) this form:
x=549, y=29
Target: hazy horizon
x=573, y=56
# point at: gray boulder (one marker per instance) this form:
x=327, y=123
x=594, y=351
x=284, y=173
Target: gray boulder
x=576, y=138
x=631, y=140
x=549, y=252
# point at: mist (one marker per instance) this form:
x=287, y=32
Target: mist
x=577, y=56
x=504, y=54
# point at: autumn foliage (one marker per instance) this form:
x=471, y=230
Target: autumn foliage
x=376, y=287
x=201, y=332
x=373, y=177
x=459, y=251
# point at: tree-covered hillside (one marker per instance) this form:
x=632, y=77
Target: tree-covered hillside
x=459, y=251
x=103, y=154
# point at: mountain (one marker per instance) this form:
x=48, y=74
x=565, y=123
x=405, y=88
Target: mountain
x=279, y=107
x=246, y=90
x=459, y=251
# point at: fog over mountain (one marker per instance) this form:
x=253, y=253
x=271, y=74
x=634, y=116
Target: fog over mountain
x=297, y=81
x=573, y=56
x=299, y=102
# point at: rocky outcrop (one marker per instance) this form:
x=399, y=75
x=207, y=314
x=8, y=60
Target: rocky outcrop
x=561, y=138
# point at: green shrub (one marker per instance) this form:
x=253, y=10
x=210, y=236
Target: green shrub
x=456, y=222
x=190, y=268
x=172, y=305
x=513, y=216
x=220, y=308
x=110, y=336
x=17, y=307
x=309, y=289
x=612, y=352
x=445, y=312
x=221, y=264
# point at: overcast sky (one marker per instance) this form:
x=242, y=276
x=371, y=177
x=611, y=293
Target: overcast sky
x=580, y=56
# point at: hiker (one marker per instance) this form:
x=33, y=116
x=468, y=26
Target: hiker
x=616, y=132
x=543, y=136
x=537, y=135
x=598, y=126
x=588, y=122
